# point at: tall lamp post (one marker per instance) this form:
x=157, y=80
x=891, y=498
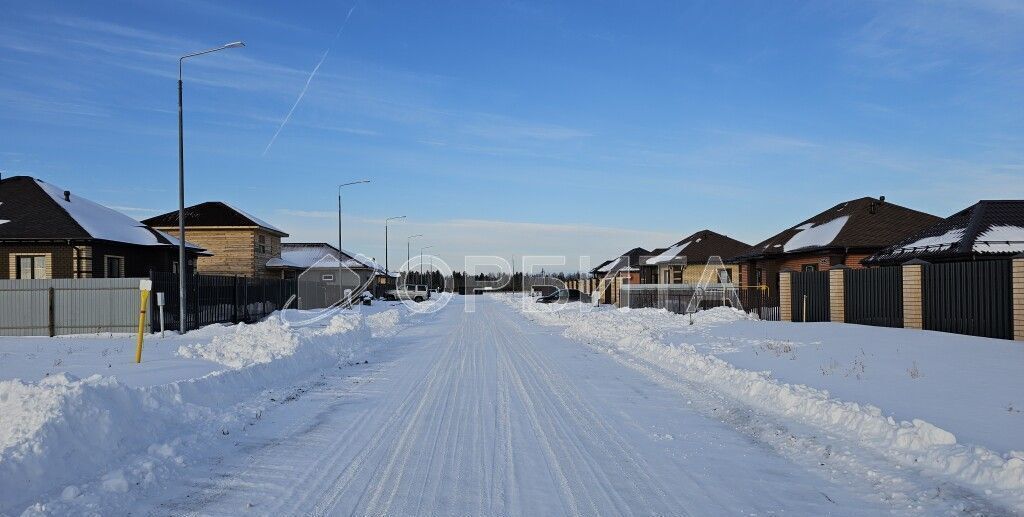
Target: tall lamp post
x=386, y=221
x=408, y=256
x=339, y=227
x=421, y=262
x=182, y=264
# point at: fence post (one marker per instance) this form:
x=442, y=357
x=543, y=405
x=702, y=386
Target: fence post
x=786, y=296
x=1018, y=297
x=51, y=312
x=837, y=293
x=912, y=289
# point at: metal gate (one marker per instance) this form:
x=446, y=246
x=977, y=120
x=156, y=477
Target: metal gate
x=973, y=298
x=874, y=296
x=810, y=291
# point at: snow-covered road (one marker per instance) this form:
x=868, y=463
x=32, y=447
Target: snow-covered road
x=487, y=413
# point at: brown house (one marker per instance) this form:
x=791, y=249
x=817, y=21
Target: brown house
x=241, y=243
x=845, y=235
x=625, y=266
x=684, y=261
x=48, y=232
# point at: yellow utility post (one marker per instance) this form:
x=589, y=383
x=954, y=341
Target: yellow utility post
x=145, y=286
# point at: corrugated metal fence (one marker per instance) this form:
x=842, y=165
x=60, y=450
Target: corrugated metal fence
x=874, y=296
x=974, y=298
x=810, y=294
x=69, y=306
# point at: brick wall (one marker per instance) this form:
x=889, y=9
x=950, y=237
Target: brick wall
x=785, y=296
x=836, y=294
x=1018, y=299
x=912, y=309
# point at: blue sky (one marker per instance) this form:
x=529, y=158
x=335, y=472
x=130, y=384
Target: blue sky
x=520, y=127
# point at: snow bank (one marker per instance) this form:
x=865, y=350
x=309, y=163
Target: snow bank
x=63, y=430
x=640, y=333
x=384, y=324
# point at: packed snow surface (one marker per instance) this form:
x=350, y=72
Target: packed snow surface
x=843, y=379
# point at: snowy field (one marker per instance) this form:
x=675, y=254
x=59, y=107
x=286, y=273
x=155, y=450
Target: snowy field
x=949, y=404
x=76, y=407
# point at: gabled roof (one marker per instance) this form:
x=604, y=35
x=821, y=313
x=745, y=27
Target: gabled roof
x=304, y=255
x=866, y=223
x=628, y=261
x=32, y=209
x=696, y=249
x=213, y=213
x=987, y=228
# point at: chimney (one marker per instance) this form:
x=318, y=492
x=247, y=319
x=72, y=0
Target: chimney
x=67, y=196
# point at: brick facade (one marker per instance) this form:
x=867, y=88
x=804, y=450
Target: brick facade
x=912, y=308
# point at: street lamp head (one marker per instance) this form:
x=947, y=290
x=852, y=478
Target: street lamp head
x=235, y=44
x=417, y=235
x=393, y=218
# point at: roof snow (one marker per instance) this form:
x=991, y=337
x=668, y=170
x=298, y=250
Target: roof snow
x=1000, y=239
x=305, y=257
x=668, y=254
x=811, y=236
x=105, y=223
x=609, y=266
x=939, y=242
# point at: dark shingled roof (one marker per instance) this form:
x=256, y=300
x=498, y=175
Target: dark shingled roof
x=34, y=210
x=871, y=224
x=631, y=258
x=32, y=214
x=699, y=247
x=211, y=213
x=963, y=235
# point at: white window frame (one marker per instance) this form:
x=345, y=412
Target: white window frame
x=326, y=278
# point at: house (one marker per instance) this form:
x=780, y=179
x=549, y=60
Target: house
x=984, y=231
x=49, y=232
x=684, y=261
x=323, y=278
x=842, y=235
x=241, y=243
x=625, y=266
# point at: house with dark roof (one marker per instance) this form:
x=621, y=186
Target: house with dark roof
x=625, y=266
x=986, y=230
x=684, y=261
x=844, y=235
x=324, y=272
x=242, y=244
x=49, y=232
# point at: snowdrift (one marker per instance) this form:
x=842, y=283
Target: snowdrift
x=64, y=430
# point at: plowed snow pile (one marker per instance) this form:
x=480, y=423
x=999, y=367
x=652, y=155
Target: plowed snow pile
x=61, y=431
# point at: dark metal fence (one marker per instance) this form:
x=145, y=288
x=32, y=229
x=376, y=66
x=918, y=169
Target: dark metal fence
x=874, y=296
x=810, y=292
x=973, y=298
x=676, y=298
x=220, y=299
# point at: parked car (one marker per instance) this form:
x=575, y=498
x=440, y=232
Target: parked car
x=563, y=296
x=416, y=293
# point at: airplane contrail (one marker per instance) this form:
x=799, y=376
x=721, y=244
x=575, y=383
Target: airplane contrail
x=310, y=79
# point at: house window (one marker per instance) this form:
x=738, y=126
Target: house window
x=327, y=278
x=724, y=276
x=261, y=244
x=807, y=268
x=113, y=266
x=31, y=266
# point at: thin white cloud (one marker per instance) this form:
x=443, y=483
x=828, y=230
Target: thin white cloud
x=309, y=80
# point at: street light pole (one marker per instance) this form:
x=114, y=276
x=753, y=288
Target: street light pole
x=421, y=260
x=339, y=228
x=408, y=255
x=182, y=263
x=386, y=221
